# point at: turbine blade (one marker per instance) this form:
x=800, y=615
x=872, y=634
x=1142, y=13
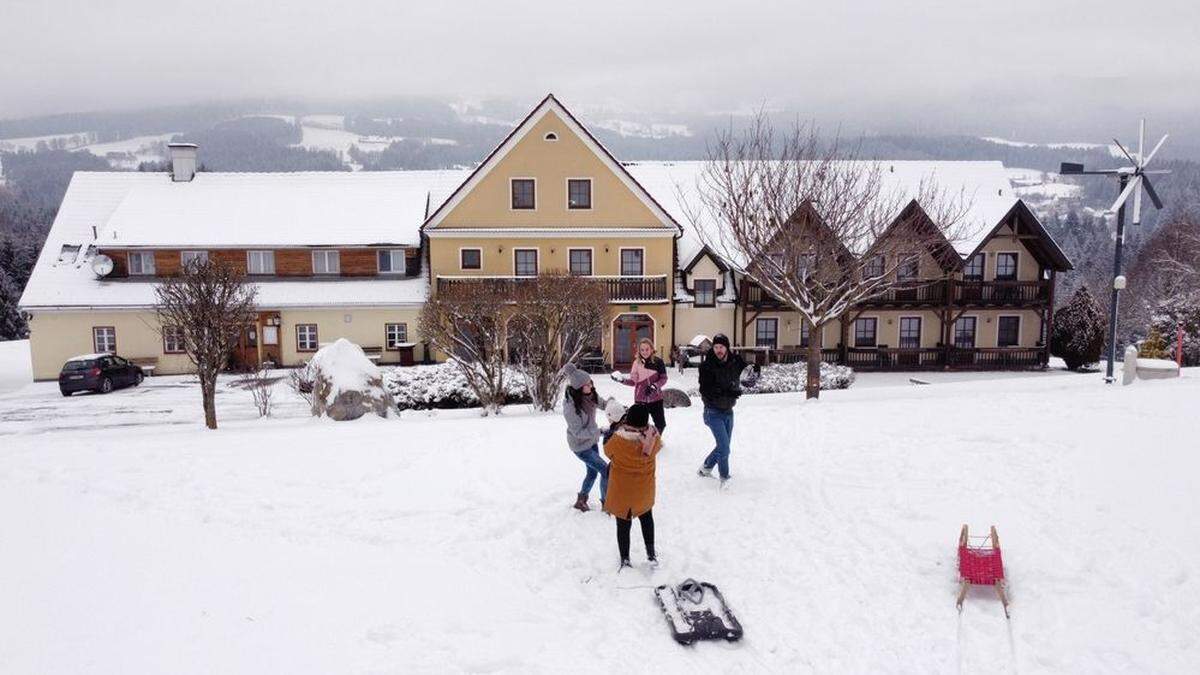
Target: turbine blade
x=1155, y=150
x=1141, y=140
x=1137, y=207
x=1153, y=195
x=1125, y=194
x=1125, y=152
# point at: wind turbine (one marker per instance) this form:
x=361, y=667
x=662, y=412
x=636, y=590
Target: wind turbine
x=1130, y=179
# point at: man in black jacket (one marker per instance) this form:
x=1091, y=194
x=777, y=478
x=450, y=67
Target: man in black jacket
x=720, y=387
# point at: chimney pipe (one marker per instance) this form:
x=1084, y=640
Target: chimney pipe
x=183, y=161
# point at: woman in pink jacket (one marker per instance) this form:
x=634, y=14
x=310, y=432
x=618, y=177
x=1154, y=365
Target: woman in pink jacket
x=648, y=376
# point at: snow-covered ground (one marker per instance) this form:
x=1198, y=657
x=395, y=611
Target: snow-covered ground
x=136, y=541
x=132, y=151
x=15, y=367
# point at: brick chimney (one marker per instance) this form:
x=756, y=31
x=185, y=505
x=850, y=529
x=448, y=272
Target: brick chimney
x=183, y=161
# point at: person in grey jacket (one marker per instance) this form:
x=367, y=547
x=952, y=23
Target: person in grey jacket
x=583, y=435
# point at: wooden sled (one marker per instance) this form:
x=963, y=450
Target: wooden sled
x=982, y=565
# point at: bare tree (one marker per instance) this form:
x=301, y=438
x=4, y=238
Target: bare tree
x=205, y=307
x=557, y=317
x=261, y=385
x=468, y=324
x=814, y=226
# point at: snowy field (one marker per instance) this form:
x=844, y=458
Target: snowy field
x=136, y=541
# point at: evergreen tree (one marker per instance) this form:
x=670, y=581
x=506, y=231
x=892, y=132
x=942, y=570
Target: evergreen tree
x=1079, y=330
x=12, y=326
x=1154, y=346
x=1183, y=308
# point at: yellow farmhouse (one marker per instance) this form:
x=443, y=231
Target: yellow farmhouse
x=355, y=255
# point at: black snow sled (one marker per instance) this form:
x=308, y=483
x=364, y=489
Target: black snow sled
x=697, y=611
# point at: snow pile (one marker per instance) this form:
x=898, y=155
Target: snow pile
x=443, y=386
x=787, y=377
x=346, y=385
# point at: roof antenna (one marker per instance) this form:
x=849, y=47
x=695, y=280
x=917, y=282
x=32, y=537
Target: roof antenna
x=94, y=234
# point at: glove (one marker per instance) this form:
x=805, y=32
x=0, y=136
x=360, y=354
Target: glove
x=617, y=377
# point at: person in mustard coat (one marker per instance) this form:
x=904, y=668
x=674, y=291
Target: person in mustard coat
x=632, y=452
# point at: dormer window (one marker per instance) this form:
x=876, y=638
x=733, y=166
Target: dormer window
x=579, y=193
x=523, y=193
x=141, y=263
x=193, y=257
x=326, y=262
x=260, y=262
x=392, y=261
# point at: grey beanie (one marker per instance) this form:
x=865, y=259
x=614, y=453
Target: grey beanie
x=576, y=378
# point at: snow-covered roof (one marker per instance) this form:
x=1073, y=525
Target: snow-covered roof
x=63, y=276
x=277, y=209
x=984, y=184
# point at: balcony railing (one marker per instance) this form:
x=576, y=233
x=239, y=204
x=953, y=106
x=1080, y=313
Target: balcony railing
x=905, y=359
x=621, y=289
x=933, y=293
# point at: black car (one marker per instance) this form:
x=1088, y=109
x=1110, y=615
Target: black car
x=98, y=372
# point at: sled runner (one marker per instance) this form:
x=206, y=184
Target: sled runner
x=697, y=611
x=982, y=565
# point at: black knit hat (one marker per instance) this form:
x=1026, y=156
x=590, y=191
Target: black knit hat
x=720, y=339
x=638, y=415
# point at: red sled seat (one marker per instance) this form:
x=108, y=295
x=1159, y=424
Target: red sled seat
x=981, y=565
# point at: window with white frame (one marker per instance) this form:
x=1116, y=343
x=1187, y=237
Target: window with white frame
x=104, y=339
x=973, y=270
x=395, y=335
x=306, y=337
x=392, y=261
x=326, y=262
x=260, y=262
x=523, y=193
x=172, y=340
x=910, y=332
x=964, y=332
x=766, y=332
x=1008, y=331
x=579, y=262
x=706, y=292
x=633, y=262
x=187, y=258
x=141, y=263
x=525, y=262
x=864, y=332
x=470, y=258
x=579, y=193
x=1006, y=267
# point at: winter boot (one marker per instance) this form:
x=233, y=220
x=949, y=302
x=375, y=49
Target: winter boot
x=581, y=503
x=624, y=563
x=725, y=482
x=705, y=471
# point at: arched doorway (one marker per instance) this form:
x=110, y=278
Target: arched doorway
x=627, y=330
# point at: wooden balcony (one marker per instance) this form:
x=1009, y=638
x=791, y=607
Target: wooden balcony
x=931, y=293
x=627, y=289
x=875, y=359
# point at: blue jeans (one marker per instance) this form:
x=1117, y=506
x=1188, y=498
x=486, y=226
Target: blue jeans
x=595, y=466
x=720, y=422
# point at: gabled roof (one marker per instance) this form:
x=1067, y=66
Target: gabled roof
x=547, y=105
x=1042, y=245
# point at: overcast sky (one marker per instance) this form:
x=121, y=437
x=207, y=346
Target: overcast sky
x=1052, y=65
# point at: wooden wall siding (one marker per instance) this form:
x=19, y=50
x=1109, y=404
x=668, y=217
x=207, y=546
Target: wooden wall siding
x=293, y=262
x=232, y=256
x=358, y=262
x=412, y=262
x=166, y=263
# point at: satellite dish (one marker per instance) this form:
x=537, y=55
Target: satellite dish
x=102, y=265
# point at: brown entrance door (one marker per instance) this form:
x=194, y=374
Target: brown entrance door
x=245, y=354
x=627, y=330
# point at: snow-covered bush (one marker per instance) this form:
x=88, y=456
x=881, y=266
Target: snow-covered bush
x=786, y=377
x=443, y=386
x=1182, y=308
x=1079, y=331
